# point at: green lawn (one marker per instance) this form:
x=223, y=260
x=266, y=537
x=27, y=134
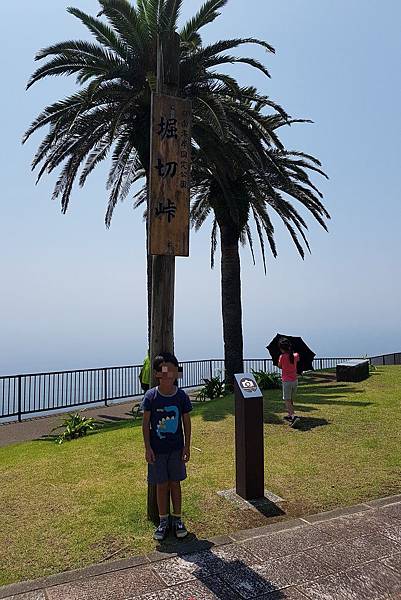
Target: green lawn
x=68, y=506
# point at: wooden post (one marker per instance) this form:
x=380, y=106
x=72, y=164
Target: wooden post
x=249, y=441
x=163, y=267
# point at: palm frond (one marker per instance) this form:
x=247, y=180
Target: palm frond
x=222, y=59
x=208, y=12
x=216, y=116
x=171, y=12
x=213, y=243
x=212, y=50
x=86, y=66
x=150, y=13
x=104, y=34
x=126, y=21
x=246, y=236
x=260, y=236
x=99, y=153
x=128, y=168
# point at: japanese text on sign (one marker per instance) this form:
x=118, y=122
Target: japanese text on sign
x=170, y=176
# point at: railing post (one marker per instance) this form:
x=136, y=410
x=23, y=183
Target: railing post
x=19, y=399
x=210, y=368
x=105, y=386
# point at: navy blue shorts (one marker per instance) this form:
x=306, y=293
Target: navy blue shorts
x=168, y=467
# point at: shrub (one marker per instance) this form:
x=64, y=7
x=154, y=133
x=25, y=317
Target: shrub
x=76, y=426
x=267, y=381
x=213, y=388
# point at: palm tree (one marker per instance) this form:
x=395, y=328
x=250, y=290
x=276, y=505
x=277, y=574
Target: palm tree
x=109, y=117
x=110, y=114
x=254, y=189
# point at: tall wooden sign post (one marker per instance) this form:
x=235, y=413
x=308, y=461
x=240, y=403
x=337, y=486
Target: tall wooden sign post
x=168, y=201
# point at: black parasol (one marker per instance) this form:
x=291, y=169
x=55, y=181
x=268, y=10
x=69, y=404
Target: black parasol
x=306, y=355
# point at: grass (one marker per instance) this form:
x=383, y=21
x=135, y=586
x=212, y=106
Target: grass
x=69, y=506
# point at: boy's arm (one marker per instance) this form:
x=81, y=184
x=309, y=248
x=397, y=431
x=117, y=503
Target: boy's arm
x=149, y=454
x=186, y=421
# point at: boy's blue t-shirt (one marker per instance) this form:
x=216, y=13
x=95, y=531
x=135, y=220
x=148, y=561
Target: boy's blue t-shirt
x=166, y=412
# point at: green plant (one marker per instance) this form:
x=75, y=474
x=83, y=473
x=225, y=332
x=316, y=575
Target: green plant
x=267, y=381
x=75, y=426
x=213, y=388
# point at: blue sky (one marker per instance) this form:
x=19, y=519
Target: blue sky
x=74, y=293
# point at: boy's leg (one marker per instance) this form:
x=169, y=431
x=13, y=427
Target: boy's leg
x=175, y=490
x=157, y=475
x=178, y=526
x=177, y=473
x=162, y=495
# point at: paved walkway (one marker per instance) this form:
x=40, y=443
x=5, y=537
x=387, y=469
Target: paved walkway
x=347, y=554
x=39, y=427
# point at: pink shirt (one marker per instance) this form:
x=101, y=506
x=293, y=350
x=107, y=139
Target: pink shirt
x=289, y=370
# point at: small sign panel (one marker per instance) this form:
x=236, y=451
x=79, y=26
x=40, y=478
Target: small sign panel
x=247, y=385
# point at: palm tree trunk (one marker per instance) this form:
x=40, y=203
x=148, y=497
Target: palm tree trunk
x=231, y=303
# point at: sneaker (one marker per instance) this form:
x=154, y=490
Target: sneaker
x=180, y=529
x=293, y=420
x=161, y=532
x=288, y=419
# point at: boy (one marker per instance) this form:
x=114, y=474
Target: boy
x=167, y=447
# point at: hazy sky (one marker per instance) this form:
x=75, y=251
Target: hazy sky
x=74, y=293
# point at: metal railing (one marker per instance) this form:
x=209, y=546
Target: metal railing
x=44, y=392
x=386, y=359
x=32, y=393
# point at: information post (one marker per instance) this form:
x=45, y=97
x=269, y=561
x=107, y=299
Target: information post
x=249, y=447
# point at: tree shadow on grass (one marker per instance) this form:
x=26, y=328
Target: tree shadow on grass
x=330, y=400
x=308, y=395
x=318, y=377
x=217, y=409
x=113, y=418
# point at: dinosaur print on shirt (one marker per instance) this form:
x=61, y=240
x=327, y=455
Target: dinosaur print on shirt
x=168, y=423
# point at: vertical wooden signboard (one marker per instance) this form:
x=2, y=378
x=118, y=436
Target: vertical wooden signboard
x=170, y=176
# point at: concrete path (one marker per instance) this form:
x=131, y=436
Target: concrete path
x=37, y=427
x=347, y=554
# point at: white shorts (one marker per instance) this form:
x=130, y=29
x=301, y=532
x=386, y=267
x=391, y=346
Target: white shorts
x=289, y=389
